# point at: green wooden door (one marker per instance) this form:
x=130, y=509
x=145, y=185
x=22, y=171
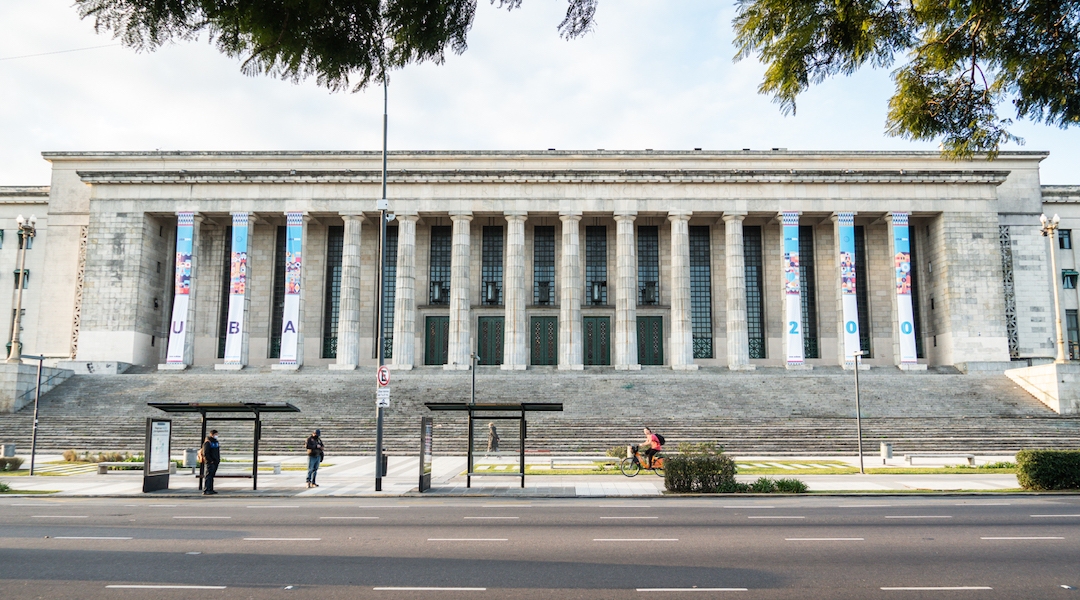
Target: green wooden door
x=650, y=340
x=489, y=341
x=544, y=339
x=436, y=340
x=595, y=339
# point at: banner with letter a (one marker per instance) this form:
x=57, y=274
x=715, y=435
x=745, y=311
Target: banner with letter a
x=290, y=323
x=792, y=299
x=234, y=336
x=904, y=312
x=848, y=297
x=185, y=233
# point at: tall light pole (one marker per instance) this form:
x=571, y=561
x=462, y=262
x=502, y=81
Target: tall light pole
x=1049, y=229
x=26, y=233
x=858, y=409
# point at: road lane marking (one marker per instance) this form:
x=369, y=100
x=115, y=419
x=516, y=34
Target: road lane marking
x=348, y=517
x=506, y=505
x=937, y=589
x=747, y=506
x=151, y=505
x=1052, y=516
x=865, y=505
x=88, y=537
x=491, y=517
x=629, y=505
x=468, y=540
x=60, y=517
x=635, y=539
x=983, y=504
x=430, y=589
x=382, y=506
x=165, y=587
x=919, y=517
x=692, y=589
x=1024, y=538
x=771, y=517
x=629, y=517
x=275, y=506
x=202, y=517
x=824, y=539
x=282, y=539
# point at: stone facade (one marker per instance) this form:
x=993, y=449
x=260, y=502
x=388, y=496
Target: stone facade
x=127, y=205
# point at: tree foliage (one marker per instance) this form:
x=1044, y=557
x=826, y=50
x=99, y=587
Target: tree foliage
x=961, y=60
x=343, y=44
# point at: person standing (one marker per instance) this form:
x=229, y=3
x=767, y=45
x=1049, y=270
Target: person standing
x=493, y=438
x=211, y=457
x=315, y=451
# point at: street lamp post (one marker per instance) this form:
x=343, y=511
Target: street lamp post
x=1049, y=229
x=858, y=410
x=383, y=206
x=26, y=233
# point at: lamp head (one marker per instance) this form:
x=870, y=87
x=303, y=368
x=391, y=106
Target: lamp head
x=1042, y=219
x=33, y=221
x=20, y=220
x=1056, y=219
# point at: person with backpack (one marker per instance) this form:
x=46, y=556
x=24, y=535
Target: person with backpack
x=210, y=457
x=315, y=451
x=652, y=444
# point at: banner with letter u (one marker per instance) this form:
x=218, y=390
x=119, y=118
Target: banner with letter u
x=185, y=233
x=234, y=336
x=848, y=297
x=290, y=323
x=904, y=312
x=792, y=298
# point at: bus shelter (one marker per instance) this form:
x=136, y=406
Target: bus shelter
x=229, y=411
x=497, y=412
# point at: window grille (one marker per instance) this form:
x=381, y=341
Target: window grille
x=335, y=242
x=808, y=292
x=390, y=279
x=491, y=266
x=1065, y=239
x=755, y=308
x=441, y=244
x=1005, y=245
x=701, y=292
x=596, y=265
x=277, y=313
x=544, y=266
x=862, y=293
x=648, y=247
x=226, y=284
x=1072, y=326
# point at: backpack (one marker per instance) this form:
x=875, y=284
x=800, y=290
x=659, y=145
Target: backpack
x=199, y=456
x=661, y=438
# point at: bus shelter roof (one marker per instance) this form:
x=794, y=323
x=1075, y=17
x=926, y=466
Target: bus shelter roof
x=223, y=407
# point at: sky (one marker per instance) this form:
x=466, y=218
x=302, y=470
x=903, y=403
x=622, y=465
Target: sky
x=653, y=74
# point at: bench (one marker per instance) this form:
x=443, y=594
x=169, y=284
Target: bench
x=225, y=469
x=103, y=467
x=969, y=457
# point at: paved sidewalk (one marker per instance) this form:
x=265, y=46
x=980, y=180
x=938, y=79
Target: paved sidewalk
x=354, y=476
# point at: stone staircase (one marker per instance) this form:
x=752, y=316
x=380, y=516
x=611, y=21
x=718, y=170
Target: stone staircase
x=768, y=411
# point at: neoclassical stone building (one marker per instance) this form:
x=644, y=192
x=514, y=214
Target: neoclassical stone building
x=552, y=259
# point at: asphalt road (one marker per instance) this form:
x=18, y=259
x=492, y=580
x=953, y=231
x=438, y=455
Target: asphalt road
x=809, y=547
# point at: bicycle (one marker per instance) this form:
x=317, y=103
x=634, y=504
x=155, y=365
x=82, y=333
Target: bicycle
x=633, y=464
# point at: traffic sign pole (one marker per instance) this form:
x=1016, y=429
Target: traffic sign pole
x=382, y=206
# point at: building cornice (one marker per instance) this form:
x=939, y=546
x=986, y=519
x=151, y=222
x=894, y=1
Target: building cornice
x=24, y=191
x=568, y=176
x=1060, y=193
x=678, y=154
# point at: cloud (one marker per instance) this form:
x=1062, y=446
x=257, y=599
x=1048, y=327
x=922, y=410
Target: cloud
x=653, y=74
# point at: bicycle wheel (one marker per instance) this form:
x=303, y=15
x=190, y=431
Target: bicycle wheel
x=629, y=467
x=659, y=469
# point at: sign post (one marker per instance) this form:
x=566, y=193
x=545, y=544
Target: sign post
x=157, y=455
x=426, y=429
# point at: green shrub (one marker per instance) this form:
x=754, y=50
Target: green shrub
x=702, y=473
x=1048, y=469
x=763, y=485
x=790, y=486
x=999, y=465
x=616, y=452
x=13, y=463
x=4, y=487
x=71, y=455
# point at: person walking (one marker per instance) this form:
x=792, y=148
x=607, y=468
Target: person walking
x=211, y=457
x=315, y=451
x=493, y=438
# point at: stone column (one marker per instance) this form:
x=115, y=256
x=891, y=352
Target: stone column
x=405, y=294
x=682, y=332
x=183, y=320
x=516, y=332
x=738, y=341
x=460, y=340
x=626, y=292
x=570, y=291
x=348, y=333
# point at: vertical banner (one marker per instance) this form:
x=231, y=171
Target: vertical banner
x=234, y=335
x=904, y=312
x=185, y=232
x=290, y=324
x=850, y=301
x=792, y=298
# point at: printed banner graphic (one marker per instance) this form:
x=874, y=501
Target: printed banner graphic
x=290, y=325
x=792, y=298
x=234, y=335
x=849, y=300
x=185, y=231
x=904, y=312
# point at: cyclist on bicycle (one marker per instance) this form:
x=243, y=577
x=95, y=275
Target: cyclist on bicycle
x=650, y=446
